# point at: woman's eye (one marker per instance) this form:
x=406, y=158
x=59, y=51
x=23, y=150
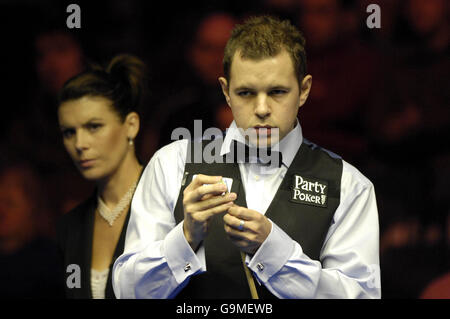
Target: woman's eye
x=68, y=133
x=94, y=127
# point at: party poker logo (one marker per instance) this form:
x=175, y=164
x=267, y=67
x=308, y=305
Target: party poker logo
x=309, y=191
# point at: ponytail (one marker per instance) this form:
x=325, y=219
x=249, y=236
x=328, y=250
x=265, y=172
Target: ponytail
x=121, y=81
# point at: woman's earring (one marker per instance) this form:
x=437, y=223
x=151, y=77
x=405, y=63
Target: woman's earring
x=130, y=141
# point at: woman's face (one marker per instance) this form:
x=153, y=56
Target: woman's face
x=94, y=136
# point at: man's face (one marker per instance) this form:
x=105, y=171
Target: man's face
x=265, y=93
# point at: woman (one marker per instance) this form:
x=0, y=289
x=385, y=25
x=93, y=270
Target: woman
x=98, y=120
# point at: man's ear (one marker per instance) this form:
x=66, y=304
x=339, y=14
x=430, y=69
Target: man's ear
x=305, y=88
x=133, y=122
x=225, y=89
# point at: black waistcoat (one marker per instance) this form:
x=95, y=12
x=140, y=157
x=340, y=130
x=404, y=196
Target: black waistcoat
x=306, y=222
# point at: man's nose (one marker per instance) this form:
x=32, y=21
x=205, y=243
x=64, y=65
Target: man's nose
x=262, y=107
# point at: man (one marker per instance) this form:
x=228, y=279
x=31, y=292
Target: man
x=307, y=228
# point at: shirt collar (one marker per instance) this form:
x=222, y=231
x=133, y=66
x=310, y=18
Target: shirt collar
x=288, y=146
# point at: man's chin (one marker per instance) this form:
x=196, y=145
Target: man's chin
x=260, y=138
x=263, y=141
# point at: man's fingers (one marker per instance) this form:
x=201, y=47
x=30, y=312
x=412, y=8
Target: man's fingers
x=201, y=179
x=243, y=213
x=238, y=239
x=212, y=202
x=236, y=223
x=215, y=189
x=206, y=214
x=207, y=196
x=201, y=192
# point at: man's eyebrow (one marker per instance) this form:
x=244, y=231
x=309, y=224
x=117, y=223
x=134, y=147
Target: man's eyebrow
x=279, y=87
x=272, y=87
x=244, y=87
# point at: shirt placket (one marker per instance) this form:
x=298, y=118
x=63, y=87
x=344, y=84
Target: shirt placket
x=256, y=198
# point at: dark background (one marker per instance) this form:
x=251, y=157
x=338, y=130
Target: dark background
x=380, y=98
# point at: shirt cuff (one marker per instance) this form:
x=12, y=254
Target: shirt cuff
x=272, y=255
x=182, y=260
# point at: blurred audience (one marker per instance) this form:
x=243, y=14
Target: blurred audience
x=198, y=94
x=28, y=258
x=438, y=288
x=58, y=58
x=35, y=133
x=409, y=162
x=345, y=77
x=284, y=9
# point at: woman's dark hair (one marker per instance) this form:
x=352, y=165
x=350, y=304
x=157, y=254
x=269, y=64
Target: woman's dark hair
x=121, y=82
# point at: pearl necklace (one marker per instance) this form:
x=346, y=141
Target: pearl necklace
x=111, y=215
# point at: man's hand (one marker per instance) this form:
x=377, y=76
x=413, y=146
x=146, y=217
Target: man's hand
x=249, y=234
x=200, y=203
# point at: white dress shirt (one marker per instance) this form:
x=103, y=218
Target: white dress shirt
x=157, y=261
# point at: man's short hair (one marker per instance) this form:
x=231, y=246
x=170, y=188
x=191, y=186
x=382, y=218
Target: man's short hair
x=266, y=36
